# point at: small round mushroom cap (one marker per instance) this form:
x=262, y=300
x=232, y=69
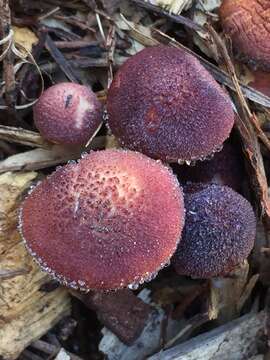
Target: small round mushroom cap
x=247, y=22
x=219, y=232
x=111, y=220
x=68, y=114
x=163, y=103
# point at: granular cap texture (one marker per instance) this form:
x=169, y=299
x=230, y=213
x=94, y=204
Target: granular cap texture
x=163, y=103
x=68, y=114
x=111, y=220
x=247, y=22
x=219, y=232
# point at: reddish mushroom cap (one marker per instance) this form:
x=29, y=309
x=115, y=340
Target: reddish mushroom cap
x=219, y=232
x=261, y=82
x=247, y=22
x=111, y=220
x=163, y=103
x=68, y=114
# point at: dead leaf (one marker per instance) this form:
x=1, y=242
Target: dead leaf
x=25, y=38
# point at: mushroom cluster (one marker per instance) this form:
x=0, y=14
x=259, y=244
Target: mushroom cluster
x=115, y=218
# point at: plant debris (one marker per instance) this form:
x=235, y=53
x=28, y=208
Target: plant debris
x=85, y=42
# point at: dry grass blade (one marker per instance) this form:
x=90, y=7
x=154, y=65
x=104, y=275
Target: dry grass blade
x=61, y=61
x=42, y=158
x=22, y=136
x=34, y=160
x=176, y=18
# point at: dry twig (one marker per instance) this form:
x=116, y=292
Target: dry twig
x=8, y=69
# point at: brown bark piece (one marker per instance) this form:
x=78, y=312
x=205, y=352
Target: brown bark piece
x=122, y=312
x=25, y=312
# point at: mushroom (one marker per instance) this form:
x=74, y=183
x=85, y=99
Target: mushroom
x=224, y=168
x=247, y=23
x=219, y=232
x=110, y=221
x=261, y=82
x=68, y=114
x=163, y=103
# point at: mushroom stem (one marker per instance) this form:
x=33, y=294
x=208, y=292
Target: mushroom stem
x=225, y=294
x=120, y=311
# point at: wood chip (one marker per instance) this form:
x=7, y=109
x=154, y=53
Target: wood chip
x=25, y=312
x=236, y=340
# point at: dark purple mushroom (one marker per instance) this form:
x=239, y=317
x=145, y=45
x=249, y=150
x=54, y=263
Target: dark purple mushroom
x=219, y=232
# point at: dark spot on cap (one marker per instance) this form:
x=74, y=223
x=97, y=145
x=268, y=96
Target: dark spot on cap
x=68, y=100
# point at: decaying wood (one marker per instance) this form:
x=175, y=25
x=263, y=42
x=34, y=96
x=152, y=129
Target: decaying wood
x=8, y=68
x=148, y=342
x=53, y=351
x=35, y=160
x=236, y=340
x=122, y=312
x=43, y=158
x=26, y=313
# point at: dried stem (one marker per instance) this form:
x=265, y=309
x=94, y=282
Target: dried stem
x=175, y=18
x=8, y=69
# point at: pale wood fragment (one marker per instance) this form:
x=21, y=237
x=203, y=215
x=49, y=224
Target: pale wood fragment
x=26, y=313
x=236, y=340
